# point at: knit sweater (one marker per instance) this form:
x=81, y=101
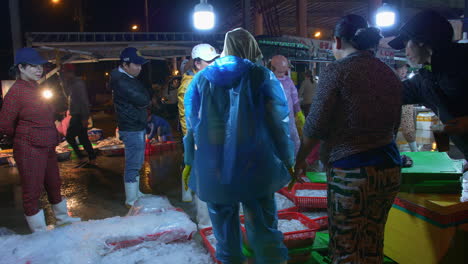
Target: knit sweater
x=357, y=106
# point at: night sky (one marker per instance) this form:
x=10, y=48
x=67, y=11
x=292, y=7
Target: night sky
x=101, y=15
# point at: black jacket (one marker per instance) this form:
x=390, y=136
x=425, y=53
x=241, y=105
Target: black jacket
x=131, y=99
x=444, y=89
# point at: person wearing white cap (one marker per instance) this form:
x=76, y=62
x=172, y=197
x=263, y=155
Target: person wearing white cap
x=202, y=56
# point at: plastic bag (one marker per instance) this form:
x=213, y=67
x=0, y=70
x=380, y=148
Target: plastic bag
x=150, y=204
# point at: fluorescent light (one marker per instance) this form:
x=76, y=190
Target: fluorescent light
x=203, y=20
x=385, y=19
x=203, y=16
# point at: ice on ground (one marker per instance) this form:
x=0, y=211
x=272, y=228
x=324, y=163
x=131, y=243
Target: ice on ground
x=6, y=232
x=85, y=242
x=282, y=202
x=150, y=204
x=286, y=226
x=212, y=239
x=315, y=214
x=311, y=193
x=159, y=253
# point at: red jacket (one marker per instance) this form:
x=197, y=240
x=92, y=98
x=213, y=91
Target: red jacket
x=28, y=117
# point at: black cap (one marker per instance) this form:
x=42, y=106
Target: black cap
x=427, y=27
x=132, y=55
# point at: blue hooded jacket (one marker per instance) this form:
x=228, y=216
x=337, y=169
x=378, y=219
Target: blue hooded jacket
x=237, y=140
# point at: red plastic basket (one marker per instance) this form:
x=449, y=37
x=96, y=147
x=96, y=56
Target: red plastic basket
x=284, y=191
x=306, y=203
x=298, y=239
x=288, y=210
x=302, y=238
x=322, y=222
x=205, y=232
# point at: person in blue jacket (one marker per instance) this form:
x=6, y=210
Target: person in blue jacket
x=238, y=149
x=158, y=128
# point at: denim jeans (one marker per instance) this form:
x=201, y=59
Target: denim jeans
x=261, y=223
x=134, y=142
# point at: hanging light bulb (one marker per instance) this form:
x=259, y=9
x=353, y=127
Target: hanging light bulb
x=386, y=16
x=203, y=16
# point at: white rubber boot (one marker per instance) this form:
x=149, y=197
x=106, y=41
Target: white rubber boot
x=186, y=194
x=139, y=194
x=203, y=217
x=131, y=193
x=61, y=214
x=37, y=222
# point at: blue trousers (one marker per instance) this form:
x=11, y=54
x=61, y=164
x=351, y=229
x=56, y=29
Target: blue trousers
x=261, y=222
x=134, y=142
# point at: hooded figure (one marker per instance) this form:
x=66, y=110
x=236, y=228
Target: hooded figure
x=239, y=148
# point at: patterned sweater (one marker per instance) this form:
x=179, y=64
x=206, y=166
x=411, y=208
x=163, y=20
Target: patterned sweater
x=357, y=106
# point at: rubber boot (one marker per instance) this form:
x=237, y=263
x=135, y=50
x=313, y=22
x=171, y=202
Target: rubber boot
x=61, y=214
x=131, y=193
x=37, y=222
x=203, y=217
x=139, y=194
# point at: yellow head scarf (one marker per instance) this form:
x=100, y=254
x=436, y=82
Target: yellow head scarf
x=240, y=43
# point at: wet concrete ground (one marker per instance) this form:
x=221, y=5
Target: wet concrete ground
x=96, y=193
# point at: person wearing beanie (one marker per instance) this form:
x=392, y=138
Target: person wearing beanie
x=29, y=119
x=441, y=84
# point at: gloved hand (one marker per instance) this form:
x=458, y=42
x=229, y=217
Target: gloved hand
x=300, y=121
x=186, y=175
x=295, y=177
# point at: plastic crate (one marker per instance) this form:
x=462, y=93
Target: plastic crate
x=298, y=239
x=285, y=192
x=290, y=209
x=306, y=203
x=302, y=238
x=204, y=234
x=322, y=222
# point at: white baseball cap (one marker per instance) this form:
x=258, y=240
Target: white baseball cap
x=205, y=52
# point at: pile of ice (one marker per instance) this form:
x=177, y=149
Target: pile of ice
x=311, y=193
x=98, y=241
x=150, y=204
x=315, y=214
x=286, y=226
x=282, y=202
x=160, y=253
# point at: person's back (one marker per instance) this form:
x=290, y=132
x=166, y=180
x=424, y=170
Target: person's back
x=366, y=101
x=233, y=131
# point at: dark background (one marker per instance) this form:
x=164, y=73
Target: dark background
x=100, y=16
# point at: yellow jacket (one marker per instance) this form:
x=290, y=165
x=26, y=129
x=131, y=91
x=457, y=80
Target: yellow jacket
x=186, y=80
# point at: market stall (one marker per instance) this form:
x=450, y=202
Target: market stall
x=428, y=223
